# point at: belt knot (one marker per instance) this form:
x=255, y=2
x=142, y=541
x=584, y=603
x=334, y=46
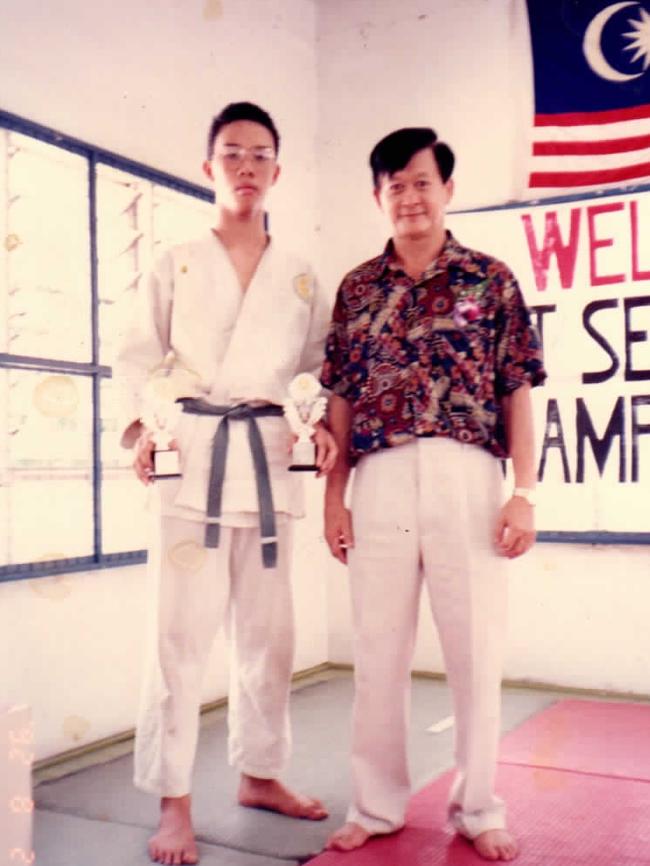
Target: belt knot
x=248, y=413
x=239, y=412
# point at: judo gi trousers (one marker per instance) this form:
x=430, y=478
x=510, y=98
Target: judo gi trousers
x=425, y=512
x=198, y=591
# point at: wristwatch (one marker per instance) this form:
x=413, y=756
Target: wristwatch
x=526, y=493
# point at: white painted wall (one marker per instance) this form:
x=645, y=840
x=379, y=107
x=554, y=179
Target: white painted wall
x=144, y=80
x=577, y=618
x=336, y=75
x=384, y=64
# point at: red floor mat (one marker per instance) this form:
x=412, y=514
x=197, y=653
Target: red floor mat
x=560, y=818
x=612, y=739
x=577, y=782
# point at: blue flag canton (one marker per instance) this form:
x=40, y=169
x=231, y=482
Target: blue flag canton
x=608, y=74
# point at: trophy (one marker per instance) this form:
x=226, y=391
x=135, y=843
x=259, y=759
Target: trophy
x=303, y=408
x=162, y=412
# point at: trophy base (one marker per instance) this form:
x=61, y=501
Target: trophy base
x=303, y=457
x=166, y=464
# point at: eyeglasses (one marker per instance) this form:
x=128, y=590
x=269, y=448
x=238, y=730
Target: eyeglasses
x=236, y=153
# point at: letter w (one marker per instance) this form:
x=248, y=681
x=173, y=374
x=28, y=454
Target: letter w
x=553, y=245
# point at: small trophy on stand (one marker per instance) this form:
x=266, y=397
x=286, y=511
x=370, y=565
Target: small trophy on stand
x=162, y=413
x=303, y=408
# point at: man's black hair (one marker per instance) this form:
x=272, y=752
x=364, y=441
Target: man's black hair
x=241, y=111
x=396, y=150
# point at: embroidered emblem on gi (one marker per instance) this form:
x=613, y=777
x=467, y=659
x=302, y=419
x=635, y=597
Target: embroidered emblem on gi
x=56, y=397
x=302, y=286
x=187, y=555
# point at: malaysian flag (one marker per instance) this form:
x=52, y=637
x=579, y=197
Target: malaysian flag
x=591, y=62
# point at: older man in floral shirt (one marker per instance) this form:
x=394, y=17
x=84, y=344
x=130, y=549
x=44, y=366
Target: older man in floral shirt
x=430, y=358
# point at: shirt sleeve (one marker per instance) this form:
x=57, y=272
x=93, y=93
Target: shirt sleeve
x=519, y=352
x=335, y=370
x=145, y=344
x=311, y=358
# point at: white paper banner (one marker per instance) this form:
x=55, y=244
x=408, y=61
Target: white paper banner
x=584, y=269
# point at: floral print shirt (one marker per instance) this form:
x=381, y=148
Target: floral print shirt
x=433, y=356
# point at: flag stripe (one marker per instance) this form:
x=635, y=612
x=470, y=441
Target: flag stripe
x=588, y=178
x=590, y=118
x=576, y=148
x=626, y=129
x=590, y=162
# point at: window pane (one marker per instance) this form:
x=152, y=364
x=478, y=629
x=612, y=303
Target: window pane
x=124, y=498
x=46, y=419
x=46, y=511
x=124, y=514
x=47, y=251
x=178, y=217
x=123, y=248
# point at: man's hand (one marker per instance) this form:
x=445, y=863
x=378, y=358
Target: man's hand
x=143, y=460
x=338, y=529
x=326, y=449
x=515, y=529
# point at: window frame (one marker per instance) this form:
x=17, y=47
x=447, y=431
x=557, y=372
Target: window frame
x=99, y=156
x=95, y=156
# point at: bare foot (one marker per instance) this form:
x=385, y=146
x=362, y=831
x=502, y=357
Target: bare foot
x=174, y=842
x=496, y=845
x=272, y=794
x=347, y=838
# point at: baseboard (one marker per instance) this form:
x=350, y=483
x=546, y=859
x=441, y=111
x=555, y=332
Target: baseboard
x=117, y=744
x=121, y=743
x=535, y=685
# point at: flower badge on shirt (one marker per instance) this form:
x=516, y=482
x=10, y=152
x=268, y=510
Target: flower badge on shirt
x=303, y=287
x=466, y=308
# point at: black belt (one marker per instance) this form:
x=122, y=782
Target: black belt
x=239, y=412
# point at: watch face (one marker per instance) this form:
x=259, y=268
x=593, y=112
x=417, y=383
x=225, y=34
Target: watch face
x=528, y=495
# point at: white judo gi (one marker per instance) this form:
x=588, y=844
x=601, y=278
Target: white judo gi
x=239, y=347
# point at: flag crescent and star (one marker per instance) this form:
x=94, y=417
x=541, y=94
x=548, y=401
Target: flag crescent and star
x=591, y=65
x=592, y=44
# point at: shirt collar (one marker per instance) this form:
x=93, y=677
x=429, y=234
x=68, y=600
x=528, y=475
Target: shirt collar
x=452, y=254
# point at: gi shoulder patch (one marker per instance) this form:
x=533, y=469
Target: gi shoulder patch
x=303, y=286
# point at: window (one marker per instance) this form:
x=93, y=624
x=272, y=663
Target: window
x=80, y=228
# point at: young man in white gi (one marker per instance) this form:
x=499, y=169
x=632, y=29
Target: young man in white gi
x=227, y=320
x=430, y=358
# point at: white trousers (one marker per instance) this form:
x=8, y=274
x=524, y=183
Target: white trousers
x=198, y=591
x=425, y=512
